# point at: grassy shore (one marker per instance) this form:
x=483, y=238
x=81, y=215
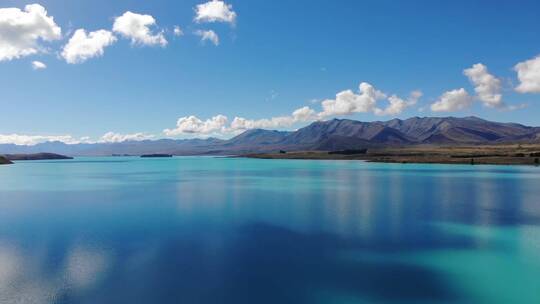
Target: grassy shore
x=494, y=154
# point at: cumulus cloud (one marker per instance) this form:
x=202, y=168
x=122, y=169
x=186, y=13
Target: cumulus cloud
x=304, y=114
x=178, y=31
x=38, y=65
x=529, y=75
x=219, y=124
x=111, y=137
x=22, y=30
x=83, y=46
x=194, y=125
x=487, y=87
x=397, y=105
x=348, y=102
x=215, y=11
x=208, y=36
x=19, y=139
x=454, y=100
x=137, y=28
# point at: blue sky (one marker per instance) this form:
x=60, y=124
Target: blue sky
x=273, y=58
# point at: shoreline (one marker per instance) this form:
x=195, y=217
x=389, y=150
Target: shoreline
x=5, y=161
x=480, y=155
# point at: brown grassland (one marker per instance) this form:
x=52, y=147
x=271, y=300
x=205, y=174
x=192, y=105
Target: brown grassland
x=526, y=154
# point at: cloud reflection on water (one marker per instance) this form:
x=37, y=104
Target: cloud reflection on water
x=26, y=276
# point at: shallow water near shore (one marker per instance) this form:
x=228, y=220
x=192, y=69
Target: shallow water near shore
x=231, y=230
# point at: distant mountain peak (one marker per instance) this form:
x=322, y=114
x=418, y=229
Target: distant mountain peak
x=334, y=134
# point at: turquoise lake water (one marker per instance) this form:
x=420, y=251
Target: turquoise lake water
x=225, y=230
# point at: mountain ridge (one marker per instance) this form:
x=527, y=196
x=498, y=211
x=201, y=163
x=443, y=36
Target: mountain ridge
x=335, y=134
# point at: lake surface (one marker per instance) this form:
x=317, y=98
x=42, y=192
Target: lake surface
x=224, y=230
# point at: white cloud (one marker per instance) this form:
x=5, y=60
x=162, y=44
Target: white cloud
x=19, y=139
x=397, y=105
x=83, y=46
x=178, y=31
x=487, y=87
x=529, y=75
x=454, y=100
x=38, y=65
x=241, y=124
x=215, y=11
x=218, y=125
x=347, y=102
x=208, y=35
x=304, y=114
x=137, y=28
x=194, y=125
x=21, y=31
x=111, y=137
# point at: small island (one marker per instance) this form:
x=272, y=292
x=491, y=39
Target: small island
x=4, y=161
x=36, y=156
x=156, y=155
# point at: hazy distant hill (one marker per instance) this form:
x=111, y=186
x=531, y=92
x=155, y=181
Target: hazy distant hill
x=167, y=146
x=333, y=134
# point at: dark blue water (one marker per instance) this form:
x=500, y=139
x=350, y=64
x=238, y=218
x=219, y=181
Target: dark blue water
x=223, y=230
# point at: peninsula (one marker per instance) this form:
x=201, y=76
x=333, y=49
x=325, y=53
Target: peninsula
x=474, y=155
x=35, y=156
x=4, y=161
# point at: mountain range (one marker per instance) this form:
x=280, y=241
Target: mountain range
x=336, y=134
